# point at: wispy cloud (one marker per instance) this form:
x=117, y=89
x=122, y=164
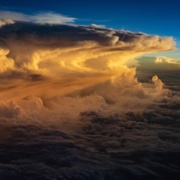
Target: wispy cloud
x=40, y=18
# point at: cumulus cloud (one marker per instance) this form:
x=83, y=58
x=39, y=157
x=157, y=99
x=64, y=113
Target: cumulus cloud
x=75, y=61
x=72, y=107
x=71, y=58
x=163, y=59
x=85, y=44
x=158, y=83
x=159, y=63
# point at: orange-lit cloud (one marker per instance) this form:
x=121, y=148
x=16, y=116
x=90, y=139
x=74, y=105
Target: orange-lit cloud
x=75, y=64
x=90, y=47
x=72, y=107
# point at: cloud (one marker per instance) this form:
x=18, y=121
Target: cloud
x=163, y=59
x=110, y=47
x=72, y=107
x=4, y=22
x=51, y=18
x=159, y=63
x=158, y=83
x=40, y=18
x=76, y=61
x=97, y=26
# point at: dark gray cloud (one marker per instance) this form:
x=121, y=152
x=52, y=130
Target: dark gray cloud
x=131, y=145
x=69, y=35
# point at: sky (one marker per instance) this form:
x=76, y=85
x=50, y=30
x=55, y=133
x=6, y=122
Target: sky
x=89, y=90
x=151, y=17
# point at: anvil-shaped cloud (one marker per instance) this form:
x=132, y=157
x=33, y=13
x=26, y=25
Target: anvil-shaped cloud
x=71, y=106
x=71, y=60
x=69, y=57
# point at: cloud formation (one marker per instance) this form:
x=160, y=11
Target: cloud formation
x=159, y=63
x=110, y=47
x=7, y=17
x=72, y=107
x=72, y=58
x=163, y=59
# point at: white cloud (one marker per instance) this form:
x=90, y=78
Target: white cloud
x=98, y=26
x=163, y=59
x=40, y=18
x=51, y=18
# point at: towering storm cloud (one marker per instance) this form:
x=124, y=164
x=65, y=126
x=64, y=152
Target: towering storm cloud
x=60, y=68
x=73, y=56
x=73, y=93
x=76, y=62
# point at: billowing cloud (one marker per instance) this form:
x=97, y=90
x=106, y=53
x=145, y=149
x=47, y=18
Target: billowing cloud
x=110, y=47
x=75, y=62
x=72, y=107
x=158, y=83
x=72, y=57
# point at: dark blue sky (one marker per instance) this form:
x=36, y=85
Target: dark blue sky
x=151, y=16
x=159, y=17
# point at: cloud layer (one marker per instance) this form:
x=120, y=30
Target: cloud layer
x=71, y=106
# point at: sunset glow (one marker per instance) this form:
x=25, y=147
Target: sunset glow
x=86, y=101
